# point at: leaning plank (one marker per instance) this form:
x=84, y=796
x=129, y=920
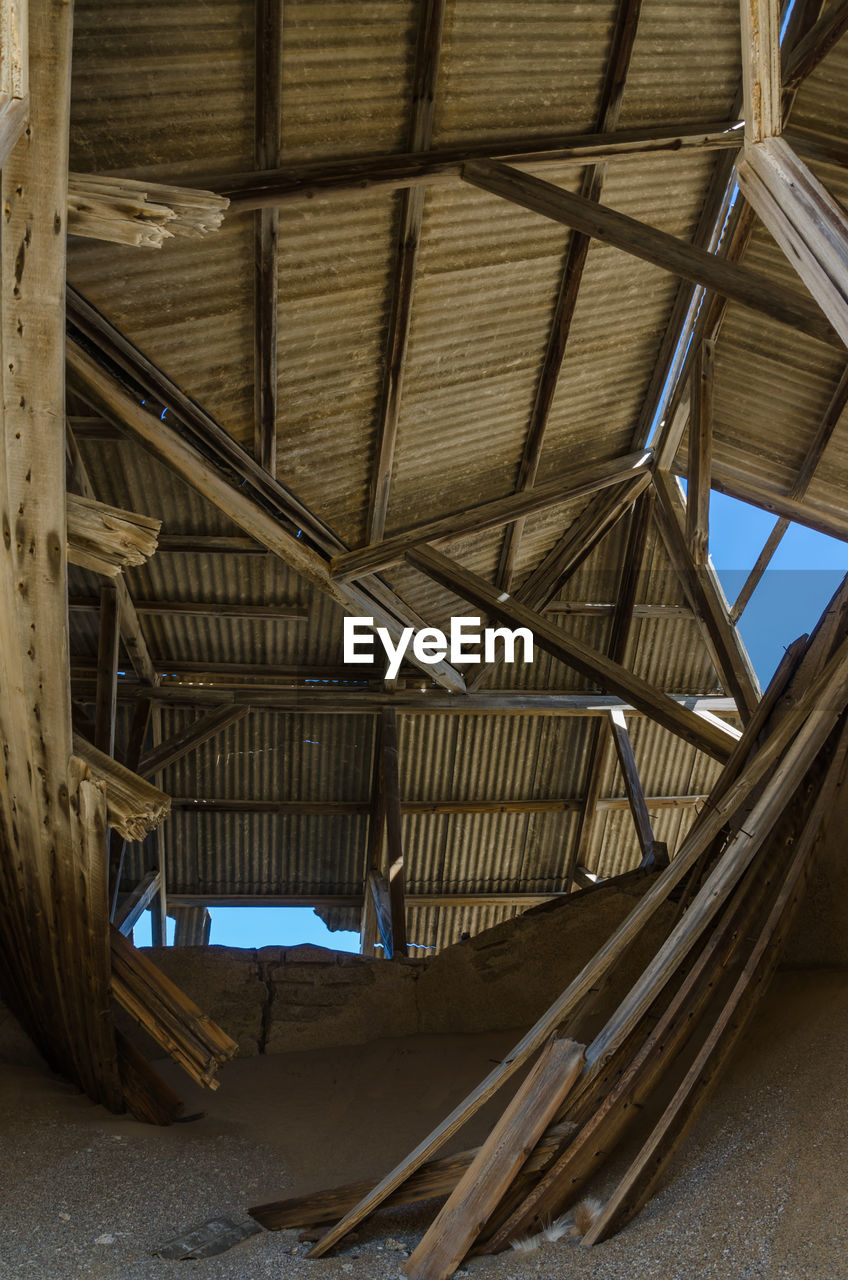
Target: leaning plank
x=739, y=284
x=575, y=482
x=644, y=1173
x=700, y=453
x=435, y=1178
x=147, y=1095
x=134, y=805
x=106, y=539
x=611, y=676
x=136, y=903
x=186, y=1033
x=745, y=772
x=497, y=1162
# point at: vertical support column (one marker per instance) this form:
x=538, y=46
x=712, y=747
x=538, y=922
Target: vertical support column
x=394, y=837
x=268, y=124
x=159, y=909
x=700, y=453
x=384, y=907
x=760, y=23
x=107, y=670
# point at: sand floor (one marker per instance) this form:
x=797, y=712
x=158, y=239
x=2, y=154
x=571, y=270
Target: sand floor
x=760, y=1189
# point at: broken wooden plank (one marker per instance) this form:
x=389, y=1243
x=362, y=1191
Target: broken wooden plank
x=107, y=539
x=497, y=1162
x=143, y=214
x=134, y=806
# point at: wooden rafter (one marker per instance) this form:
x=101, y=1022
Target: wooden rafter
x=554, y=640
x=268, y=155
x=262, y=508
x=424, y=807
x=576, y=482
x=815, y=44
x=410, y=215
x=740, y=284
x=623, y=39
x=201, y=609
x=260, y=190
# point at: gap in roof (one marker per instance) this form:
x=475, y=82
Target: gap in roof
x=252, y=927
x=803, y=574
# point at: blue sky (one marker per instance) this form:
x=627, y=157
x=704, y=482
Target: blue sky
x=804, y=573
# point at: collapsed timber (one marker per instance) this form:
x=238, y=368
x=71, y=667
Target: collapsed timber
x=739, y=875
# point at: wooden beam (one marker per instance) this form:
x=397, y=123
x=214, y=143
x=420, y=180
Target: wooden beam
x=411, y=212
x=522, y=900
x=255, y=509
x=739, y=284
x=737, y=482
x=134, y=905
x=107, y=670
x=134, y=806
x=763, y=560
x=760, y=23
x=248, y=191
x=14, y=75
x=190, y=738
x=142, y=715
x=705, y=596
x=575, y=482
x=332, y=808
x=637, y=535
x=700, y=454
x=143, y=214
x=807, y=223
x=564, y=559
x=554, y=640
x=267, y=155
x=300, y=700
x=390, y=788
x=497, y=1162
x=203, y=544
x=623, y=38
x=632, y=783
x=203, y=609
x=816, y=44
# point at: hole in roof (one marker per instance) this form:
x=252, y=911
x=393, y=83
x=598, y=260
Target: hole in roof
x=803, y=574
x=251, y=927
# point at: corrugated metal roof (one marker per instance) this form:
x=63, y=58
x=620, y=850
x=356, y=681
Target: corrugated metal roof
x=168, y=88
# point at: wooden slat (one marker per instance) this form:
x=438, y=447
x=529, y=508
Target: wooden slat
x=215, y=482
x=807, y=223
x=497, y=1162
x=760, y=23
x=704, y=593
x=575, y=482
x=268, y=155
x=739, y=284
x=259, y=190
x=189, y=739
x=411, y=212
x=202, y=608
x=613, y=677
x=390, y=782
x=700, y=454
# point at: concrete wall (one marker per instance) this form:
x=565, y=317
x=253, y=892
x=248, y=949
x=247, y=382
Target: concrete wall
x=282, y=999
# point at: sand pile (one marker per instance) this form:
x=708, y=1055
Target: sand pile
x=758, y=1191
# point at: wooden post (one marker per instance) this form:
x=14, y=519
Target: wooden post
x=107, y=670
x=700, y=454
x=804, y=219
x=760, y=22
x=632, y=782
x=370, y=929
